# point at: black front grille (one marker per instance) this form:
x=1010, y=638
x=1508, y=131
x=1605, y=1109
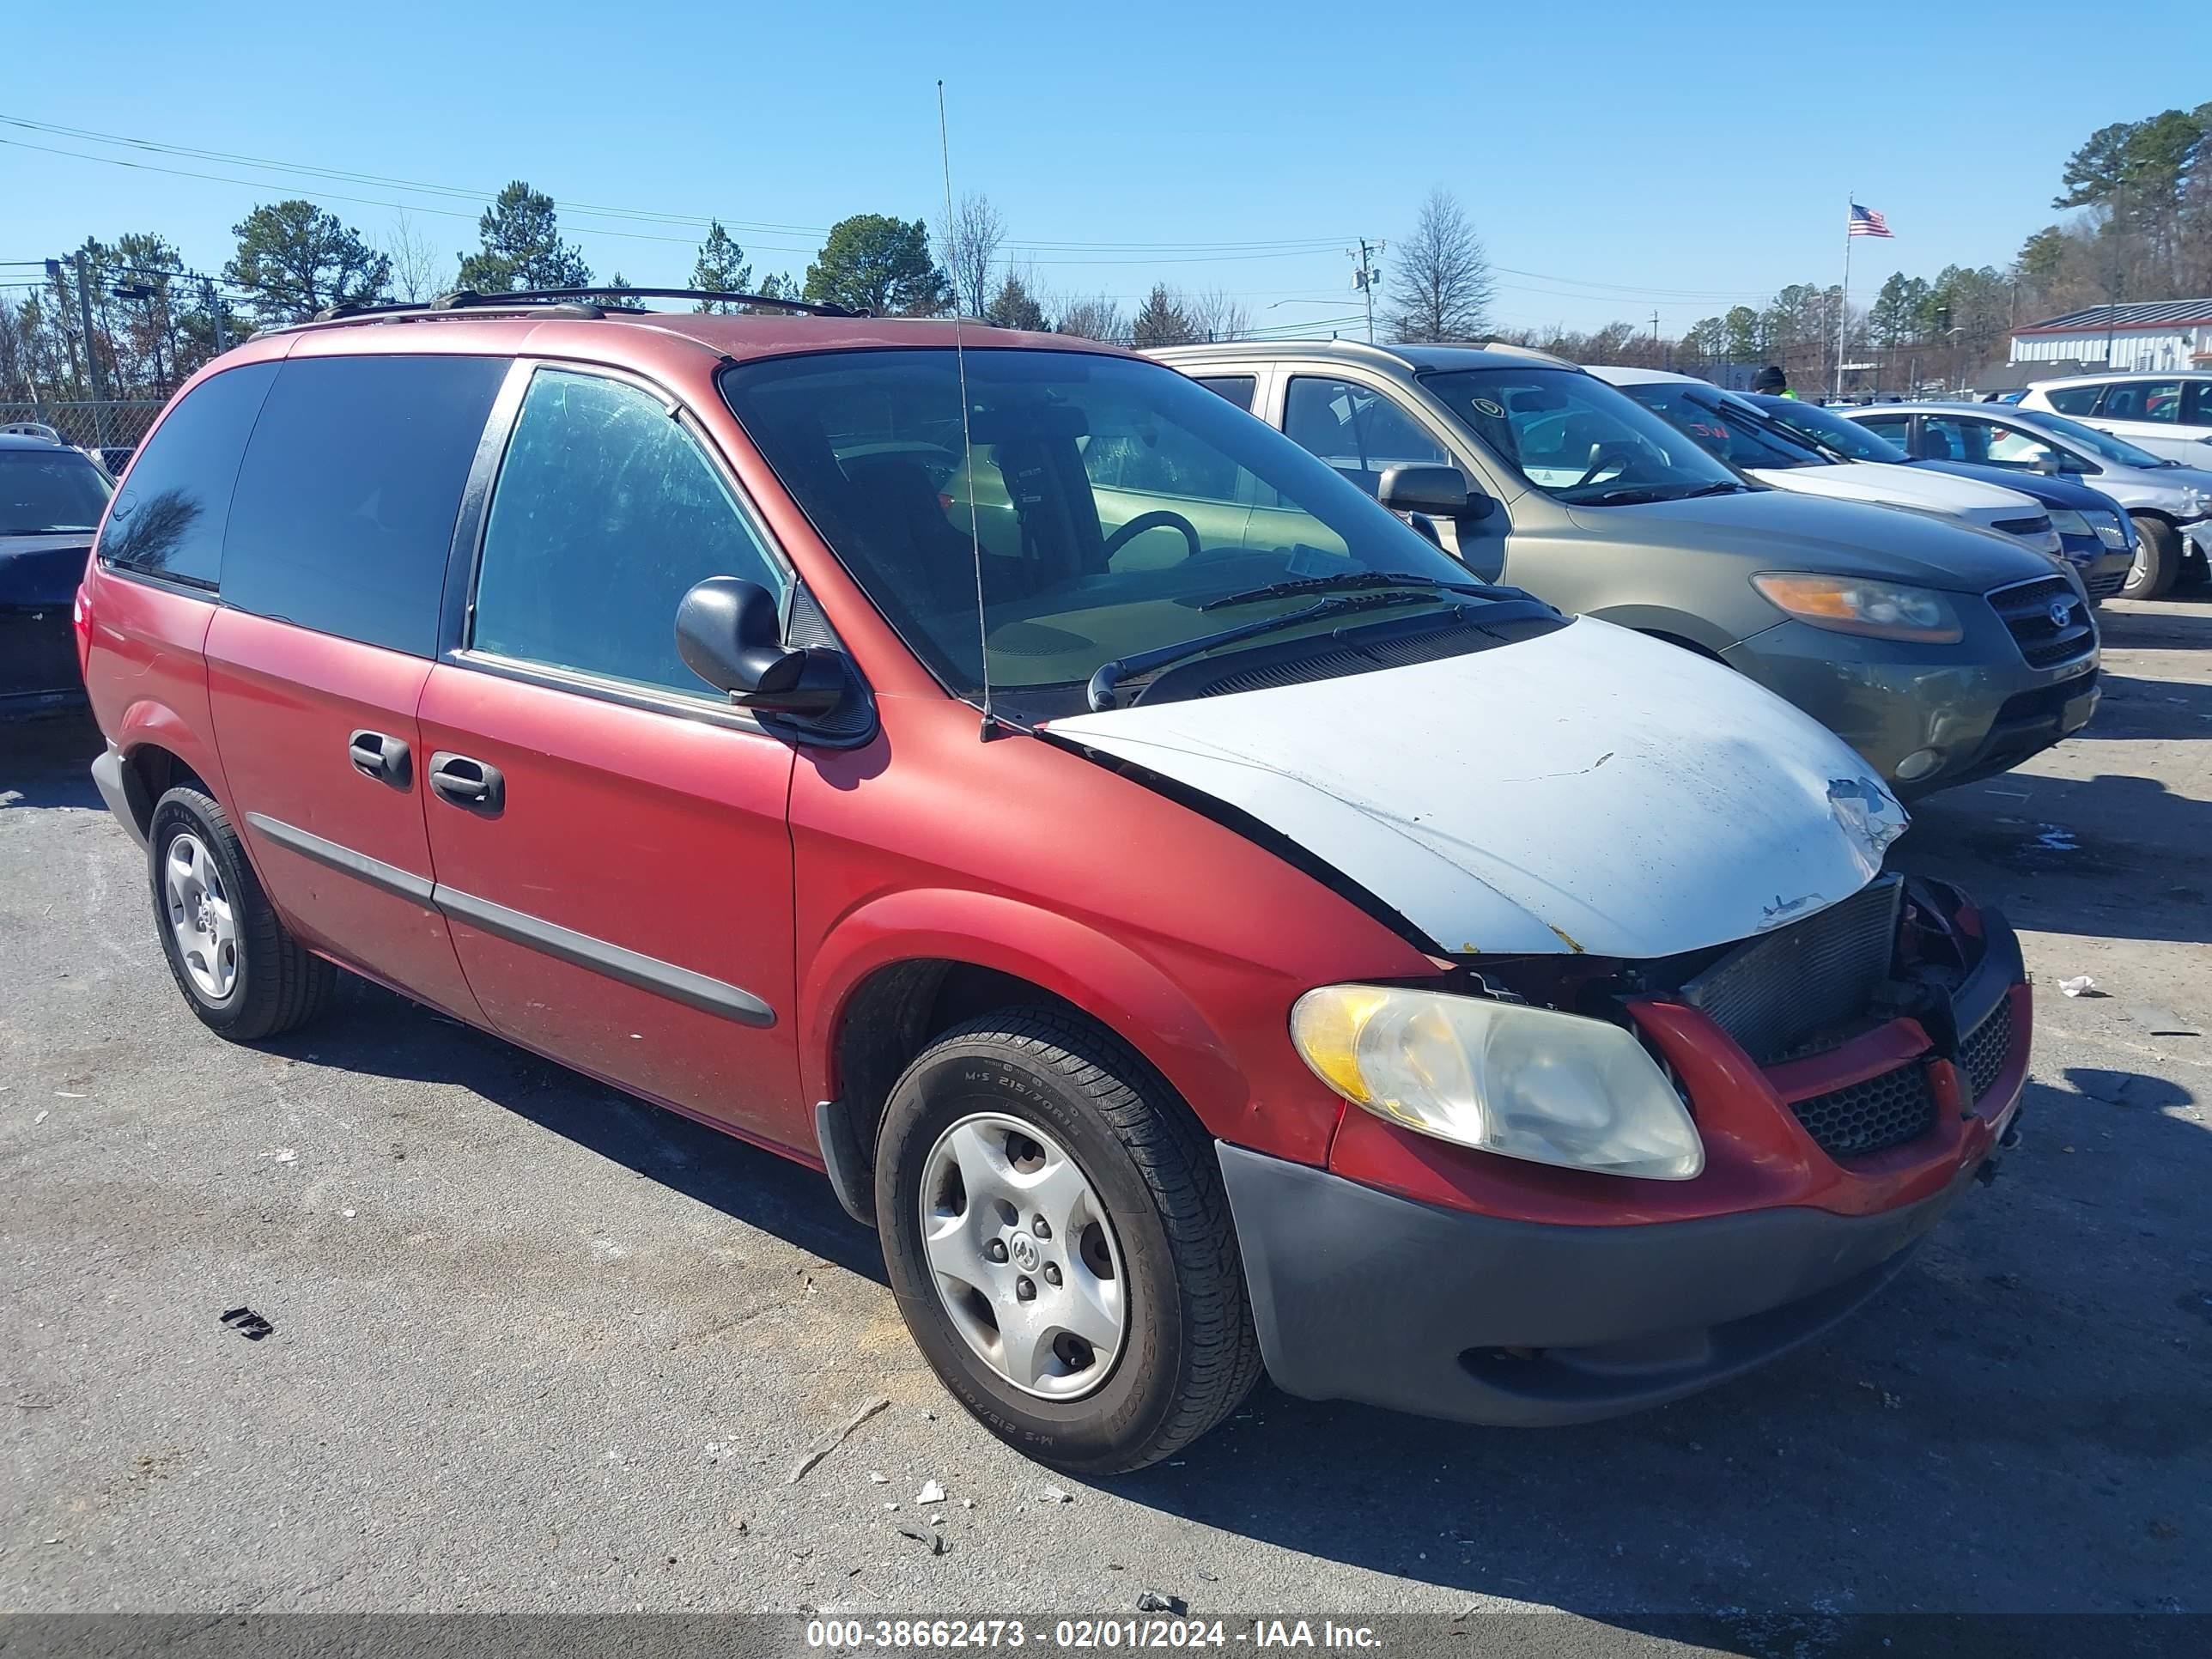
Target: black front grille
x=1871, y=1116
x=2037, y=527
x=2103, y=587
x=1803, y=986
x=1986, y=1047
x=2046, y=639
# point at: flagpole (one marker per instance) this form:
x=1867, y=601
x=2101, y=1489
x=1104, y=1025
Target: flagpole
x=1843, y=309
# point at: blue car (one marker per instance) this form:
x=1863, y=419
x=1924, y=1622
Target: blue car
x=2098, y=539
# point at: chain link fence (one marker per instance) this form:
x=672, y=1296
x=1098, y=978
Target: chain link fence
x=111, y=429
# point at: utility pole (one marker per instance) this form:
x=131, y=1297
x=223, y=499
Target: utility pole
x=1654, y=340
x=215, y=315
x=91, y=351
x=1366, y=276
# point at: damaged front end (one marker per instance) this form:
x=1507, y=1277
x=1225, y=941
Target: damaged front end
x=1863, y=1030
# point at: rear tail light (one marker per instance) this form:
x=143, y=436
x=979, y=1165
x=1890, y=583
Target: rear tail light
x=80, y=620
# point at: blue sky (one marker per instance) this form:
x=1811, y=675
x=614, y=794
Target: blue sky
x=1616, y=158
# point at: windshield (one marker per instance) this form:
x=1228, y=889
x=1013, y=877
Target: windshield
x=2112, y=449
x=1734, y=434
x=1576, y=437
x=1111, y=501
x=1858, y=442
x=49, y=492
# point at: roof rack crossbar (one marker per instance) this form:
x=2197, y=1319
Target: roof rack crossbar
x=575, y=302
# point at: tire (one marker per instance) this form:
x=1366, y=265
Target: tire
x=2158, y=560
x=245, y=975
x=1186, y=1352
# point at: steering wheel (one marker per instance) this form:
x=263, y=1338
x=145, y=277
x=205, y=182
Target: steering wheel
x=1602, y=457
x=1145, y=521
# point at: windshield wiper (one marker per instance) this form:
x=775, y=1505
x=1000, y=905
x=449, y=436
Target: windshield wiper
x=1355, y=579
x=1111, y=674
x=1643, y=494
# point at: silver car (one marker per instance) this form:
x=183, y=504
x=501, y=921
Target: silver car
x=2170, y=503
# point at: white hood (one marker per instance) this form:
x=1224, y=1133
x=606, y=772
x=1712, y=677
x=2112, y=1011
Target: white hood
x=1589, y=789
x=1904, y=486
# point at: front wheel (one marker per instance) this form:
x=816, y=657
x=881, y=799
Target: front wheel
x=2158, y=560
x=1057, y=1235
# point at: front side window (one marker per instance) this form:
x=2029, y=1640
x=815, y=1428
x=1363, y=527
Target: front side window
x=2143, y=400
x=1962, y=438
x=1577, y=439
x=2074, y=399
x=607, y=513
x=344, y=514
x=49, y=492
x=170, y=513
x=872, y=447
x=2103, y=445
x=1357, y=431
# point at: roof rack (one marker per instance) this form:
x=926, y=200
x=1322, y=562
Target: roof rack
x=573, y=302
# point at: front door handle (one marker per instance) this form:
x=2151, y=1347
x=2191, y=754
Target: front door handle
x=466, y=782
x=385, y=758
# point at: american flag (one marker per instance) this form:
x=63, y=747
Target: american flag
x=1865, y=221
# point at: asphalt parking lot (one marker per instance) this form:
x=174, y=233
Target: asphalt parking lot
x=536, y=1347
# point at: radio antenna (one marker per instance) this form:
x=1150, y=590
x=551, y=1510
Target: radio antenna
x=991, y=727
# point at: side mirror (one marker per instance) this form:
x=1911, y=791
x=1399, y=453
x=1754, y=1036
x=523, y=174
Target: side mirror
x=729, y=634
x=1441, y=492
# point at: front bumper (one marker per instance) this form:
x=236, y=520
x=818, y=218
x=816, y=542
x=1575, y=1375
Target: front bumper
x=2103, y=570
x=2199, y=535
x=1976, y=706
x=1359, y=1293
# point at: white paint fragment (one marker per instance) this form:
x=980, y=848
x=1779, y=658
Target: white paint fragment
x=931, y=1493
x=2079, y=986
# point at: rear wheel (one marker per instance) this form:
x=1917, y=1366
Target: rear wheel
x=2158, y=560
x=1057, y=1235
x=243, y=975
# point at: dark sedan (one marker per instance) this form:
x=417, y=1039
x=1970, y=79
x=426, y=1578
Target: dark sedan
x=50, y=500
x=2098, y=537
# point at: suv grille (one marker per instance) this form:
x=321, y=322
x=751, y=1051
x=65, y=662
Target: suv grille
x=1778, y=996
x=1982, y=1054
x=2035, y=528
x=2025, y=609
x=1871, y=1116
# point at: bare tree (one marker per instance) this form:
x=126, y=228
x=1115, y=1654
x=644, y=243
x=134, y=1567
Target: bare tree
x=1442, y=290
x=1217, y=315
x=416, y=269
x=1095, y=319
x=968, y=248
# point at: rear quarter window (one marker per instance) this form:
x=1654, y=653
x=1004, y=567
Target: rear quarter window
x=169, y=516
x=345, y=504
x=2074, y=399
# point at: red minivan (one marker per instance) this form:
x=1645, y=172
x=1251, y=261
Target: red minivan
x=1194, y=922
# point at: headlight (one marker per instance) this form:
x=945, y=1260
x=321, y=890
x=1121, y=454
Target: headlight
x=2066, y=522
x=1501, y=1077
x=1849, y=606
x=2111, y=528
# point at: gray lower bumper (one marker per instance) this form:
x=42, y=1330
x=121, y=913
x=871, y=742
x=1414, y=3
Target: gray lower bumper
x=1361, y=1295
x=114, y=786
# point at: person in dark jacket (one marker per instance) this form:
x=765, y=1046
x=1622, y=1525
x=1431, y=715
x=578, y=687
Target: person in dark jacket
x=1772, y=382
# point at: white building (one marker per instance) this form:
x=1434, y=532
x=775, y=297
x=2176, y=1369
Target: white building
x=2161, y=334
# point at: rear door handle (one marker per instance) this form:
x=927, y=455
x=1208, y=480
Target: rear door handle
x=467, y=782
x=385, y=758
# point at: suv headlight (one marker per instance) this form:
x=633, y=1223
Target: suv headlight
x=1850, y=604
x=1500, y=1076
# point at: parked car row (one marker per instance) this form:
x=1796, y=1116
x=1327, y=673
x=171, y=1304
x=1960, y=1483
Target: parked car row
x=1938, y=650
x=1200, y=919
